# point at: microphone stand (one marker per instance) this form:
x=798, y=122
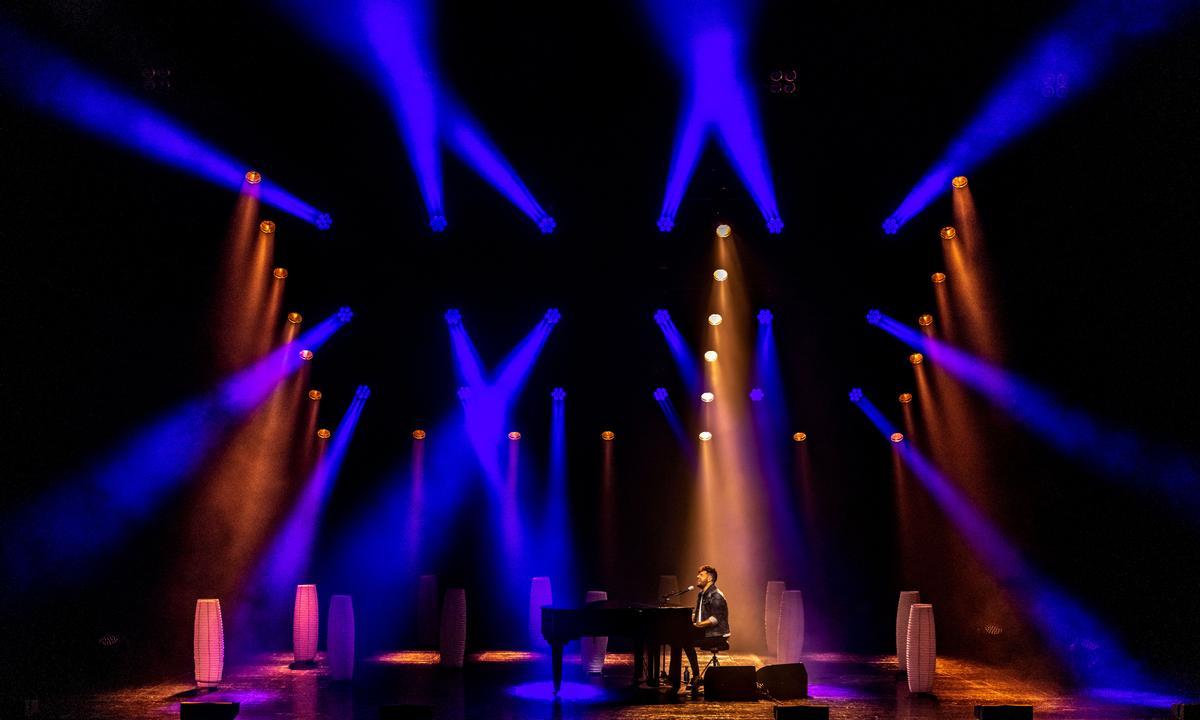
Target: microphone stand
x=662, y=649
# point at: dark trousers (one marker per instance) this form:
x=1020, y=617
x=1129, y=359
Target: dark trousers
x=707, y=643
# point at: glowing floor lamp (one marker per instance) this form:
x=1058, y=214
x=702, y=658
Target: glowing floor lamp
x=922, y=648
x=339, y=645
x=306, y=623
x=593, y=649
x=775, y=590
x=454, y=628
x=907, y=599
x=208, y=643
x=539, y=597
x=790, y=644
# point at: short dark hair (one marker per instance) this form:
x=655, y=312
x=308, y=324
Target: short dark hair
x=710, y=570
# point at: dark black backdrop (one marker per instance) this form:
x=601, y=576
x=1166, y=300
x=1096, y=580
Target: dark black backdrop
x=110, y=260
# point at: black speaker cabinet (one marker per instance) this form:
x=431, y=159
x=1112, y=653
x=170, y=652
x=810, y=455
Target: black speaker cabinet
x=730, y=682
x=784, y=682
x=1004, y=712
x=801, y=712
x=405, y=712
x=208, y=710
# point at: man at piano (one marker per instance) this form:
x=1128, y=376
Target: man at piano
x=710, y=619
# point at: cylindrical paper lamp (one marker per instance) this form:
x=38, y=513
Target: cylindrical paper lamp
x=306, y=623
x=593, y=649
x=339, y=644
x=790, y=644
x=454, y=628
x=208, y=643
x=427, y=611
x=775, y=590
x=922, y=648
x=539, y=596
x=907, y=599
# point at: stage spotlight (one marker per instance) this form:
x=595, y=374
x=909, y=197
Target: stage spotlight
x=891, y=226
x=324, y=434
x=775, y=224
x=948, y=232
x=715, y=319
x=464, y=393
x=279, y=273
x=607, y=435
x=665, y=224
x=707, y=397
x=925, y=320
x=453, y=317
x=662, y=317
x=723, y=230
x=874, y=316
x=800, y=437
x=295, y=318
x=710, y=355
x=345, y=314
x=418, y=434
x=938, y=277
x=324, y=221
x=660, y=394
x=897, y=437
x=916, y=358
x=552, y=316
x=514, y=435
x=558, y=394
x=765, y=317
x=720, y=274
x=959, y=181
x=855, y=394
x=306, y=354
x=546, y=225
x=253, y=177
x=905, y=398
x=314, y=394
x=705, y=436
x=756, y=394
x=363, y=392
x=266, y=227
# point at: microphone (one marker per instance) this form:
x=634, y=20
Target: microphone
x=689, y=588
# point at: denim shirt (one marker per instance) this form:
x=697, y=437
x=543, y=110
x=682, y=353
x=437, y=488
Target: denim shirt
x=711, y=603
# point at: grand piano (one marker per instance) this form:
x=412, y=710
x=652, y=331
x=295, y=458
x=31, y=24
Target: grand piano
x=648, y=626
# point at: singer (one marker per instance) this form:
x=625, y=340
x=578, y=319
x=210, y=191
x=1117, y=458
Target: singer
x=710, y=618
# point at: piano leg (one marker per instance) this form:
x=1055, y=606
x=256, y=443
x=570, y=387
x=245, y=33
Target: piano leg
x=556, y=654
x=639, y=649
x=655, y=662
x=676, y=666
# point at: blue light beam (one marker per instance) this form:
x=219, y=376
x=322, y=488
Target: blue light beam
x=1108, y=450
x=57, y=86
x=1070, y=56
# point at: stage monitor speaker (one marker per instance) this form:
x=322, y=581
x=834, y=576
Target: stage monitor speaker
x=208, y=710
x=405, y=712
x=730, y=682
x=784, y=682
x=1185, y=711
x=1004, y=712
x=801, y=712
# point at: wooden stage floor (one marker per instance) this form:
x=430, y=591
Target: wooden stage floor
x=503, y=684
